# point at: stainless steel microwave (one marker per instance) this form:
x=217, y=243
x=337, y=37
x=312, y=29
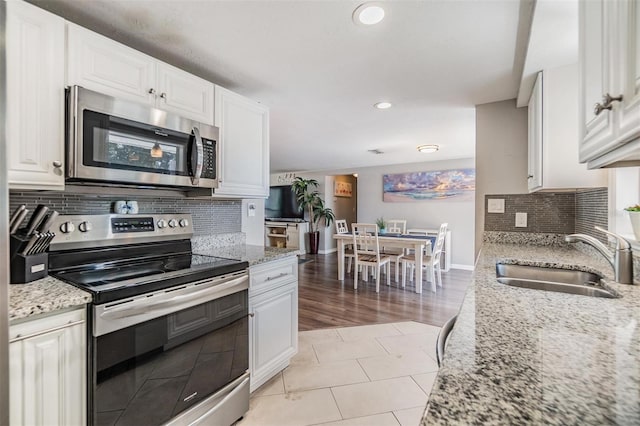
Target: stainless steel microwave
x=116, y=141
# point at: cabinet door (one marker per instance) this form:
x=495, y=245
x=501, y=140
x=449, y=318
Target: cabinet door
x=273, y=332
x=628, y=66
x=293, y=236
x=184, y=93
x=244, y=145
x=534, y=179
x=47, y=377
x=103, y=65
x=596, y=62
x=35, y=97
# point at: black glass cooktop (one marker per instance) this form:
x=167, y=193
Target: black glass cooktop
x=126, y=273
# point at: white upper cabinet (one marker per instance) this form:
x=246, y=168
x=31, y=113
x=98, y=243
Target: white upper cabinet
x=553, y=134
x=534, y=178
x=35, y=97
x=610, y=83
x=106, y=66
x=244, y=146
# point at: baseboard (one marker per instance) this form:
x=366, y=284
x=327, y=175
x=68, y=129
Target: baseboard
x=333, y=250
x=465, y=267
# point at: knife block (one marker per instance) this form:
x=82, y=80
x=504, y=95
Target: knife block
x=25, y=269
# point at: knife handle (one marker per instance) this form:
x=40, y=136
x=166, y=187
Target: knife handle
x=16, y=214
x=46, y=223
x=36, y=218
x=16, y=224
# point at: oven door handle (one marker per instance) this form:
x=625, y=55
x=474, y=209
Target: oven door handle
x=176, y=303
x=197, y=144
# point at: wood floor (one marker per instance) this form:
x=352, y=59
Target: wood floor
x=325, y=302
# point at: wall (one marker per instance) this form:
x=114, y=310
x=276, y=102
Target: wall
x=547, y=212
x=501, y=155
x=592, y=210
x=553, y=212
x=209, y=216
x=253, y=226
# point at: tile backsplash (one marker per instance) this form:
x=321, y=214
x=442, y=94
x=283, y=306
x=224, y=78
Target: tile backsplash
x=209, y=216
x=552, y=212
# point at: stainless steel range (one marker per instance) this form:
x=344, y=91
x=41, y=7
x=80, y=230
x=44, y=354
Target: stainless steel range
x=168, y=329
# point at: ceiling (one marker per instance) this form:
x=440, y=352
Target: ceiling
x=320, y=74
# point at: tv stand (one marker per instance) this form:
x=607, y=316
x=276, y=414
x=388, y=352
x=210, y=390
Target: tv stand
x=285, y=233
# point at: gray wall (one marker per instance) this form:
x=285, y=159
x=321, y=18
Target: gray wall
x=209, y=216
x=501, y=155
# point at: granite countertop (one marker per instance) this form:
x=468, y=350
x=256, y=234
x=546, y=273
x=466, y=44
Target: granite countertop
x=252, y=254
x=42, y=296
x=522, y=356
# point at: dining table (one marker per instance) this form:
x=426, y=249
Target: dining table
x=419, y=243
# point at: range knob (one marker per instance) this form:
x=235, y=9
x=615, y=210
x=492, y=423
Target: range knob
x=183, y=223
x=162, y=224
x=173, y=223
x=67, y=228
x=85, y=226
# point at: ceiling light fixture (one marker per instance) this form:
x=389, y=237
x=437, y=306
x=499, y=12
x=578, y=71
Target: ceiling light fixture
x=368, y=14
x=427, y=149
x=383, y=105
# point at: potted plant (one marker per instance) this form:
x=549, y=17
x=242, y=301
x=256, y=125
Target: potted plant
x=309, y=198
x=382, y=225
x=634, y=215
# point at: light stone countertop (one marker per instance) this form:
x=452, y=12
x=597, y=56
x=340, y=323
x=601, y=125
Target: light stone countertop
x=43, y=296
x=252, y=254
x=522, y=356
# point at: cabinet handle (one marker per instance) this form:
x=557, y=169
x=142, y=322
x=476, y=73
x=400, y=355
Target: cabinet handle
x=57, y=164
x=39, y=333
x=284, y=274
x=607, y=103
x=530, y=177
x=251, y=314
x=152, y=91
x=163, y=95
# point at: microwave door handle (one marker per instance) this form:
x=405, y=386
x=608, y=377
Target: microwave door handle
x=197, y=172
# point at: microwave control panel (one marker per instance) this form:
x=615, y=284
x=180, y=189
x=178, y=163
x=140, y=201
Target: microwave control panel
x=209, y=166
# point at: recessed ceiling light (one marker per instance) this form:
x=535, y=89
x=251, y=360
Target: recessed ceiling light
x=383, y=105
x=427, y=149
x=368, y=14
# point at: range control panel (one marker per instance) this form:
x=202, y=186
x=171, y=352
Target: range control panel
x=76, y=231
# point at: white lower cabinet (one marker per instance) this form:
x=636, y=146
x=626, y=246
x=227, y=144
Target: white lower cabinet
x=47, y=370
x=273, y=323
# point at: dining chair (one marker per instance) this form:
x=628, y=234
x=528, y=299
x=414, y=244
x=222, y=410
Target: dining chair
x=343, y=228
x=366, y=249
x=395, y=226
x=430, y=260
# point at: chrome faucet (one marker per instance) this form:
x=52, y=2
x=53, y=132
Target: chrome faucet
x=621, y=259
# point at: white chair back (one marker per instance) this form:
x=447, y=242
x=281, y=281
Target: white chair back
x=365, y=239
x=437, y=250
x=396, y=226
x=341, y=226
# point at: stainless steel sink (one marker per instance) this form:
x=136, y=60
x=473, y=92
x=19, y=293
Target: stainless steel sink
x=554, y=279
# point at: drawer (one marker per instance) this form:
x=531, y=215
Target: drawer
x=272, y=274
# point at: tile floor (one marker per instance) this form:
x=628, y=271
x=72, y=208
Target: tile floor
x=373, y=375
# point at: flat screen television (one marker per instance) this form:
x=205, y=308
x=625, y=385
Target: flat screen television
x=282, y=204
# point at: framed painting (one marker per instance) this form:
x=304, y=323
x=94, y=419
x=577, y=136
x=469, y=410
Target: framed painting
x=431, y=185
x=342, y=189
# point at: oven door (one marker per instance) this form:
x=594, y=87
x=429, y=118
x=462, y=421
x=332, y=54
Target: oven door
x=159, y=354
x=123, y=142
